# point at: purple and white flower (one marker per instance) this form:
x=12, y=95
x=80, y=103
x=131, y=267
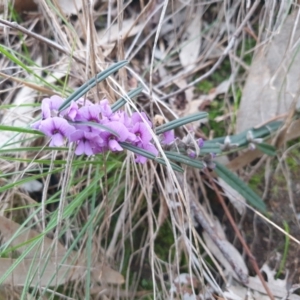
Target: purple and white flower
x=56, y=128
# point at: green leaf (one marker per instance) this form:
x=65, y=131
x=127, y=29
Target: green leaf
x=210, y=147
x=266, y=148
x=240, y=186
x=31, y=149
x=241, y=138
x=119, y=103
x=185, y=159
x=174, y=166
x=137, y=150
x=179, y=122
x=149, y=155
x=19, y=129
x=92, y=82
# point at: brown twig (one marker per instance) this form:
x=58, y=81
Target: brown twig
x=239, y=235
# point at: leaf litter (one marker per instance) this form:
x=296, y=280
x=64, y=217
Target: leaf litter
x=188, y=48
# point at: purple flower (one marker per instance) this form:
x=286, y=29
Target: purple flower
x=148, y=147
x=168, y=137
x=86, y=141
x=200, y=143
x=56, y=128
x=50, y=108
x=84, y=102
x=142, y=133
x=105, y=108
x=46, y=111
x=36, y=125
x=89, y=113
x=122, y=117
x=191, y=153
x=110, y=140
x=137, y=117
x=71, y=112
x=51, y=104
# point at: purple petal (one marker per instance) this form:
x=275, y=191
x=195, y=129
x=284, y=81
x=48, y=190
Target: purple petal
x=200, y=142
x=105, y=108
x=84, y=147
x=51, y=104
x=46, y=112
x=114, y=145
x=71, y=112
x=132, y=138
x=47, y=126
x=119, y=128
x=168, y=137
x=191, y=153
x=140, y=159
x=55, y=125
x=142, y=132
x=88, y=149
x=57, y=140
x=36, y=125
x=140, y=117
x=63, y=126
x=151, y=148
x=148, y=147
x=76, y=135
x=84, y=102
x=121, y=117
x=80, y=148
x=89, y=113
x=55, y=102
x=99, y=149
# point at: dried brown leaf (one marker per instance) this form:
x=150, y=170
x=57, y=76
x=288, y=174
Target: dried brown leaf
x=273, y=82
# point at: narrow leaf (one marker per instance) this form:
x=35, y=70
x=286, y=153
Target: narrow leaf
x=92, y=82
x=179, y=122
x=119, y=103
x=20, y=149
x=149, y=155
x=137, y=150
x=185, y=159
x=240, y=186
x=266, y=148
x=174, y=166
x=19, y=129
x=241, y=138
x=210, y=147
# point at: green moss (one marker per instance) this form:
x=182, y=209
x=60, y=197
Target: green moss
x=164, y=241
x=249, y=44
x=222, y=73
x=219, y=128
x=205, y=86
x=292, y=159
x=257, y=180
